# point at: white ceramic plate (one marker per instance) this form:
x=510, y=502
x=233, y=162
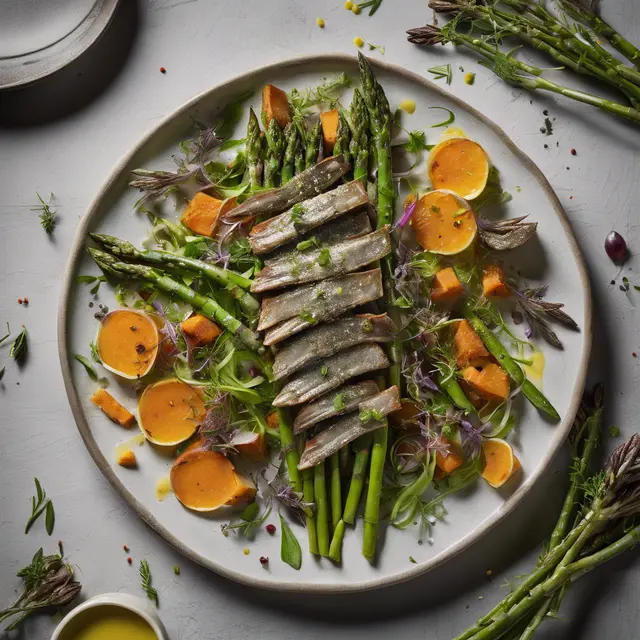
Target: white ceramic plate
x=553, y=259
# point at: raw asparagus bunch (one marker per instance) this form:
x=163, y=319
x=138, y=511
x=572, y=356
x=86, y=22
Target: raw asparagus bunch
x=235, y=283
x=207, y=306
x=515, y=72
x=596, y=524
x=535, y=26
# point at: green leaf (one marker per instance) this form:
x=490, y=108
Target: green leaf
x=403, y=303
x=250, y=512
x=84, y=279
x=324, y=257
x=417, y=142
x=290, y=551
x=95, y=355
x=49, y=517
x=86, y=363
x=47, y=215
x=39, y=491
x=446, y=122
x=19, y=346
x=6, y=336
x=324, y=371
x=442, y=71
x=230, y=144
x=308, y=244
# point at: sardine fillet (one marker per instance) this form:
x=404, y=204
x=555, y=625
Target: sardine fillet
x=327, y=339
x=327, y=374
x=347, y=227
x=306, y=185
x=336, y=403
x=323, y=300
x=307, y=215
x=344, y=430
x=322, y=263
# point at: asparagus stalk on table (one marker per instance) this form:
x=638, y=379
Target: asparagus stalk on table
x=275, y=150
x=253, y=147
x=234, y=282
x=207, y=306
x=380, y=124
x=515, y=72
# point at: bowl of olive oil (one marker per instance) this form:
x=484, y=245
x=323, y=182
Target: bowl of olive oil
x=112, y=616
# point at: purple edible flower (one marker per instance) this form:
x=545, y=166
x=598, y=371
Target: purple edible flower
x=406, y=216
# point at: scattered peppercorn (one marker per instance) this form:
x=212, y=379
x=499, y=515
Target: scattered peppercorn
x=489, y=572
x=125, y=548
x=264, y=560
x=568, y=168
x=91, y=305
x=130, y=560
x=25, y=301
x=270, y=528
x=163, y=70
x=634, y=354
x=140, y=349
x=570, y=197
x=546, y=146
x=545, y=112
x=612, y=282
x=19, y=300
x=574, y=152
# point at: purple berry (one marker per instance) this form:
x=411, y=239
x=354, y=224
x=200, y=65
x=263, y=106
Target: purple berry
x=616, y=247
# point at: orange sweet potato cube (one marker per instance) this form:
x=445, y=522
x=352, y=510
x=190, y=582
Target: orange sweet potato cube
x=451, y=461
x=488, y=379
x=468, y=345
x=202, y=214
x=275, y=104
x=200, y=330
x=329, y=120
x=112, y=408
x=445, y=286
x=494, y=283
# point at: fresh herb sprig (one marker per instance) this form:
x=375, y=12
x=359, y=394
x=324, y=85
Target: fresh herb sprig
x=442, y=71
x=19, y=346
x=96, y=281
x=41, y=504
x=47, y=214
x=372, y=5
x=145, y=575
x=48, y=584
x=290, y=550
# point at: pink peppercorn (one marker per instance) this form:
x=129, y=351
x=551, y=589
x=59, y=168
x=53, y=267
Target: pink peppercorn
x=271, y=528
x=264, y=560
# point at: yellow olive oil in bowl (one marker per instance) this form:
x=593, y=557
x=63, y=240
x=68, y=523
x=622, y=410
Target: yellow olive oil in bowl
x=108, y=622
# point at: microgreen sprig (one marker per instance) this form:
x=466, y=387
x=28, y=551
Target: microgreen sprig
x=39, y=504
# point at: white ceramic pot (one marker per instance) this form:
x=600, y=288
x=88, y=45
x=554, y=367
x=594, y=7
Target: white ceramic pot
x=142, y=607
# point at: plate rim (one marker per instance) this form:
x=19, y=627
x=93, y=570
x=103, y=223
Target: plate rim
x=507, y=507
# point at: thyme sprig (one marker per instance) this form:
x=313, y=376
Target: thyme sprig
x=47, y=214
x=39, y=505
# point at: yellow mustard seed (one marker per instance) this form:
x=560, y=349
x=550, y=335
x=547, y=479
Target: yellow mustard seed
x=469, y=78
x=348, y=5
x=246, y=551
x=359, y=42
x=320, y=23
x=355, y=9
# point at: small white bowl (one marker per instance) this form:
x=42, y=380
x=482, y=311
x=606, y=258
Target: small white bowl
x=142, y=607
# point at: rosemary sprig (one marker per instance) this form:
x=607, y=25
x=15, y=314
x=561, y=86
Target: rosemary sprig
x=145, y=574
x=372, y=5
x=39, y=504
x=442, y=71
x=47, y=214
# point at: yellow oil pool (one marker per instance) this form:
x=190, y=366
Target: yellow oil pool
x=535, y=370
x=163, y=488
x=452, y=132
x=108, y=623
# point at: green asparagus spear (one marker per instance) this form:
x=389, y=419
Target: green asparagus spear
x=314, y=145
x=322, y=508
x=206, y=306
x=310, y=520
x=380, y=123
x=343, y=137
x=253, y=146
x=453, y=389
x=362, y=448
x=288, y=442
x=336, y=490
x=234, y=282
x=497, y=350
x=288, y=163
x=275, y=150
x=359, y=145
x=335, y=548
